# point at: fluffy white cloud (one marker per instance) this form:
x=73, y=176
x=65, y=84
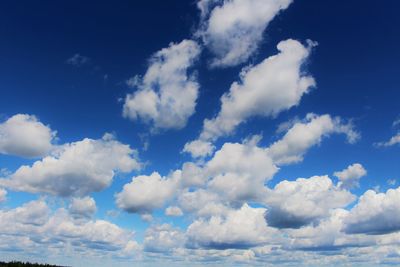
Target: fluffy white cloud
x=327, y=235
x=199, y=148
x=375, y=213
x=350, y=177
x=166, y=95
x=393, y=141
x=293, y=204
x=192, y=175
x=303, y=135
x=3, y=195
x=173, y=211
x=162, y=238
x=234, y=30
x=201, y=202
x=274, y=85
x=82, y=207
x=25, y=136
x=76, y=168
x=241, y=228
x=239, y=171
x=35, y=221
x=146, y=193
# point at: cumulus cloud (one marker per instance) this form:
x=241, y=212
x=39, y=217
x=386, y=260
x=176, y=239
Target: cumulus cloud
x=303, y=135
x=350, y=177
x=234, y=29
x=162, y=238
x=192, y=175
x=82, y=207
x=3, y=195
x=202, y=202
x=274, y=85
x=199, y=148
x=327, y=235
x=293, y=204
x=146, y=193
x=375, y=214
x=75, y=169
x=241, y=228
x=57, y=230
x=25, y=136
x=173, y=211
x=167, y=94
x=239, y=171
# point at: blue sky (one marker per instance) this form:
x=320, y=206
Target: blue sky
x=140, y=133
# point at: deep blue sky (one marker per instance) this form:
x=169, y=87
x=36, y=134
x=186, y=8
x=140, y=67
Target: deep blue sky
x=356, y=67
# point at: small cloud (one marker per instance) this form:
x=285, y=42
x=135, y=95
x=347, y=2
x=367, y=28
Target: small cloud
x=396, y=123
x=391, y=182
x=78, y=60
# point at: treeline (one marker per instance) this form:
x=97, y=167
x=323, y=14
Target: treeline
x=24, y=264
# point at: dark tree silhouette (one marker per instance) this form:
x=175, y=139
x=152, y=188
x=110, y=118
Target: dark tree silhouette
x=24, y=264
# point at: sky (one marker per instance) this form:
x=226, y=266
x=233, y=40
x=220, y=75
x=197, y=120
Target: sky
x=200, y=133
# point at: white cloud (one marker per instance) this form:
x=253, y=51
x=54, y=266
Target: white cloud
x=82, y=207
x=274, y=85
x=234, y=30
x=35, y=221
x=173, y=211
x=25, y=136
x=241, y=228
x=375, y=213
x=3, y=195
x=303, y=135
x=201, y=202
x=167, y=94
x=162, y=238
x=76, y=168
x=146, y=193
x=393, y=141
x=239, y=171
x=199, y=148
x=192, y=175
x=327, y=235
x=350, y=177
x=293, y=204
x=78, y=60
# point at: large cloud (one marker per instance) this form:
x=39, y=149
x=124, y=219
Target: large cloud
x=25, y=136
x=349, y=177
x=166, y=95
x=239, y=171
x=375, y=213
x=274, y=85
x=241, y=228
x=303, y=135
x=293, y=204
x=57, y=230
x=234, y=30
x=75, y=169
